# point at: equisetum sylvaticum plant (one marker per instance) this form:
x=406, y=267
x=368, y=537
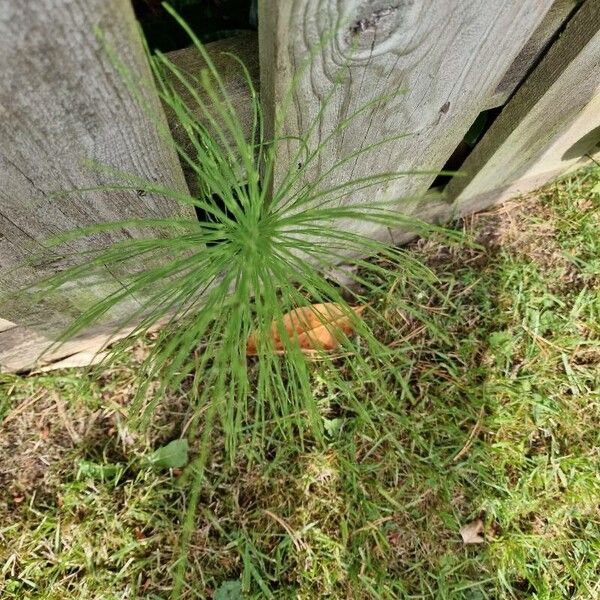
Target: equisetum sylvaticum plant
x=265, y=246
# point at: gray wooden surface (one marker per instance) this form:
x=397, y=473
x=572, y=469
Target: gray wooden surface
x=188, y=60
x=447, y=57
x=63, y=103
x=547, y=128
x=532, y=51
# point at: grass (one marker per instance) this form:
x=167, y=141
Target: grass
x=499, y=420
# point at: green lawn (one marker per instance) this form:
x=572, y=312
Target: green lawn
x=499, y=421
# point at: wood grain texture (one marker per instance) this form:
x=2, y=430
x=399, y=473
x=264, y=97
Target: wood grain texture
x=62, y=103
x=538, y=43
x=5, y=325
x=447, y=57
x=23, y=349
x=190, y=63
x=547, y=128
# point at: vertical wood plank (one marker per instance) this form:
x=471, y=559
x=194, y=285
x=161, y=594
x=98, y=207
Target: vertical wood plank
x=63, y=103
x=244, y=47
x=547, y=128
x=555, y=18
x=448, y=57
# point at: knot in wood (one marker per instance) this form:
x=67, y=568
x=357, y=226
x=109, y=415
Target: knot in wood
x=373, y=26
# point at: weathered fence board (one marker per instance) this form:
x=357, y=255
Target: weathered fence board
x=547, y=128
x=559, y=13
x=62, y=102
x=20, y=348
x=5, y=325
x=449, y=59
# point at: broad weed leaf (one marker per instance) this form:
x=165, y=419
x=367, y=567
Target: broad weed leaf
x=172, y=456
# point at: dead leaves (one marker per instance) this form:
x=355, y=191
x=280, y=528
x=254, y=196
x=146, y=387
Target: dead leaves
x=319, y=327
x=471, y=532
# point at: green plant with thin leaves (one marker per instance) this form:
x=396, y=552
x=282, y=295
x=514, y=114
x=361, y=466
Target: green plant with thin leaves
x=263, y=249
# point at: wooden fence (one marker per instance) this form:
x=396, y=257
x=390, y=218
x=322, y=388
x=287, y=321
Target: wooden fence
x=535, y=64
